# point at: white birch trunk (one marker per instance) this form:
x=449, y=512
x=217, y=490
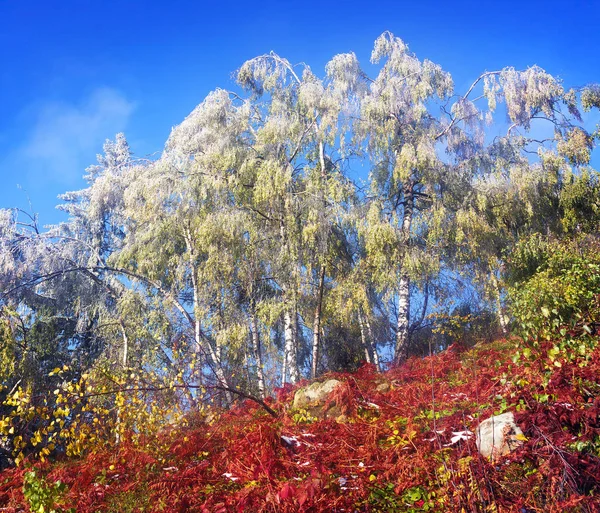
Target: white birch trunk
x=372, y=342
x=402, y=334
x=290, y=344
x=403, y=319
x=499, y=309
x=125, y=344
x=317, y=324
x=290, y=347
x=363, y=338
x=257, y=353
x=124, y=363
x=199, y=338
x=284, y=365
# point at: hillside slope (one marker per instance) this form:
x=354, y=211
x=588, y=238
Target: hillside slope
x=402, y=442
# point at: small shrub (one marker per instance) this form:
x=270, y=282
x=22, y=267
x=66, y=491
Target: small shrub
x=41, y=496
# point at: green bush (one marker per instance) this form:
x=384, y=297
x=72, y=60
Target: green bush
x=42, y=496
x=555, y=288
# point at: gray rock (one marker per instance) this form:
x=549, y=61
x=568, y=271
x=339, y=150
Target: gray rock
x=383, y=388
x=314, y=397
x=498, y=436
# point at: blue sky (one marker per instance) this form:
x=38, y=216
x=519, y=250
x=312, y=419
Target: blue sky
x=76, y=72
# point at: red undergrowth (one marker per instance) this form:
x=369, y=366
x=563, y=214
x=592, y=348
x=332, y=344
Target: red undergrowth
x=404, y=443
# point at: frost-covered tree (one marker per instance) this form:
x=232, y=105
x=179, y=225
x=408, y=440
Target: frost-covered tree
x=296, y=190
x=531, y=182
x=58, y=277
x=184, y=235
x=429, y=154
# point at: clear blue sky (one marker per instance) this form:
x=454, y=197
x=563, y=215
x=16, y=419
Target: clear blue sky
x=76, y=72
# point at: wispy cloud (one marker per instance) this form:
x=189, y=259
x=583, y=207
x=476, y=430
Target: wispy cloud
x=65, y=137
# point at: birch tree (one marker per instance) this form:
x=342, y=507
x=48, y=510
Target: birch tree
x=297, y=190
x=427, y=149
x=184, y=238
x=398, y=134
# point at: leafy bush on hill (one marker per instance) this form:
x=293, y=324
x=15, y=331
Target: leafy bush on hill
x=556, y=291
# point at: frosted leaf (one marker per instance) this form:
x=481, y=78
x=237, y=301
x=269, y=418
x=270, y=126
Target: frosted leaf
x=491, y=88
x=7, y=222
x=590, y=97
x=577, y=147
x=310, y=95
x=528, y=93
x=426, y=156
x=344, y=74
x=266, y=73
x=202, y=126
x=440, y=80
x=465, y=111
x=387, y=45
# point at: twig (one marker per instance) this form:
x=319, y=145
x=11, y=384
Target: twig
x=260, y=402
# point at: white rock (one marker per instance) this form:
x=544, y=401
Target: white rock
x=498, y=436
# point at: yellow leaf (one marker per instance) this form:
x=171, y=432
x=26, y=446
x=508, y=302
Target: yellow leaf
x=521, y=437
x=372, y=477
x=19, y=459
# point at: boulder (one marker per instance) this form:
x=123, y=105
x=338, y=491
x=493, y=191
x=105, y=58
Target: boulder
x=383, y=388
x=314, y=397
x=498, y=436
